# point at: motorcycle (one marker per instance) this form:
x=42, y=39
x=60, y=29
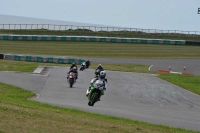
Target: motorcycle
x=71, y=79
x=85, y=65
x=96, y=90
x=82, y=67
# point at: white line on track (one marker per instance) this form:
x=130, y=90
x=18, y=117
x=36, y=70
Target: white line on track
x=150, y=67
x=37, y=95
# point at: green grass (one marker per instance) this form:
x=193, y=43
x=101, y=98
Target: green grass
x=190, y=83
x=21, y=115
x=92, y=49
x=103, y=33
x=22, y=66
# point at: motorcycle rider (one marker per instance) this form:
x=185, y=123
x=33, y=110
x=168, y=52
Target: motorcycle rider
x=74, y=70
x=98, y=70
x=73, y=65
x=102, y=77
x=100, y=67
x=88, y=63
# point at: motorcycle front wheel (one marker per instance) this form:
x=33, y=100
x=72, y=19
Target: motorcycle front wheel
x=94, y=98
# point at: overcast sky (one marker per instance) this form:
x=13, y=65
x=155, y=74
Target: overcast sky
x=151, y=14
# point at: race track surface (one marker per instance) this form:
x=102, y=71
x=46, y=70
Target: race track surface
x=131, y=95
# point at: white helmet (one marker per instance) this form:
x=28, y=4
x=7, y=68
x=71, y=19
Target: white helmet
x=102, y=75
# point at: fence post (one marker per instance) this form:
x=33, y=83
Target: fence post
x=20, y=26
x=9, y=26
x=83, y=29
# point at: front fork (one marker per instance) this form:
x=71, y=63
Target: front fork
x=90, y=94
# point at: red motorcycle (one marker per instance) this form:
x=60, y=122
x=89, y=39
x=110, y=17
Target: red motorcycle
x=71, y=79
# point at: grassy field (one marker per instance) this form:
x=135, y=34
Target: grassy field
x=17, y=114
x=91, y=49
x=126, y=34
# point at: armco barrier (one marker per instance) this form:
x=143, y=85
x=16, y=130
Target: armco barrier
x=89, y=39
x=195, y=43
x=1, y=56
x=43, y=59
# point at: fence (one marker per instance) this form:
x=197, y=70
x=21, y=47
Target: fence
x=89, y=39
x=44, y=59
x=94, y=29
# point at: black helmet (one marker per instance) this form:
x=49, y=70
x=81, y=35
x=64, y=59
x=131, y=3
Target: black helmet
x=97, y=72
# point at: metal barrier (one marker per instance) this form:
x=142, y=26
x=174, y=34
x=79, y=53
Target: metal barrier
x=89, y=39
x=44, y=59
x=94, y=29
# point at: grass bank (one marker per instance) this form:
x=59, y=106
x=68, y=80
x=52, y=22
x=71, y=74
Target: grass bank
x=94, y=49
x=190, y=83
x=85, y=32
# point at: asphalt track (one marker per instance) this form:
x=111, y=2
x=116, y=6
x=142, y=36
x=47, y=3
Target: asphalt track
x=131, y=95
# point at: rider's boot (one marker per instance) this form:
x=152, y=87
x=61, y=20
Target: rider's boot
x=88, y=91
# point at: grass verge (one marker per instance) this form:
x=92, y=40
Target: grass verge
x=8, y=65
x=94, y=49
x=190, y=83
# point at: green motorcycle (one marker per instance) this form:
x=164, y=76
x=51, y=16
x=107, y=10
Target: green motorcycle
x=96, y=90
